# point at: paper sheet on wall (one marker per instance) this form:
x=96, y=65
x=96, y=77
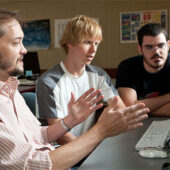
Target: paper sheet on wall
x=59, y=28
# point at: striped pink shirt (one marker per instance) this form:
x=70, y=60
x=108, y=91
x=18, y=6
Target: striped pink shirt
x=23, y=142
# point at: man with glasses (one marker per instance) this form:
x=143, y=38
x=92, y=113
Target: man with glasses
x=146, y=78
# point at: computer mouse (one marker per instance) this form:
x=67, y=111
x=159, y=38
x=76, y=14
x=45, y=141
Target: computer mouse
x=166, y=166
x=151, y=152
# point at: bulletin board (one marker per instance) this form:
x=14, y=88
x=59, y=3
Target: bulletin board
x=131, y=22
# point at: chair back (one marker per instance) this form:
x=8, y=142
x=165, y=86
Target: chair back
x=30, y=98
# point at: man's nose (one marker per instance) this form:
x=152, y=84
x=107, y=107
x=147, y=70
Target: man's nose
x=93, y=48
x=23, y=49
x=156, y=49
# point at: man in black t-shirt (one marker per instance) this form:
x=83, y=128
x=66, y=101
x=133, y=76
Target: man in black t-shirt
x=146, y=78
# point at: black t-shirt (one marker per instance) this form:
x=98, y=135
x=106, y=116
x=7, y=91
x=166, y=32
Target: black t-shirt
x=131, y=73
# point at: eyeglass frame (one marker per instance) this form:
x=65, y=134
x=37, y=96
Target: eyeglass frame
x=152, y=48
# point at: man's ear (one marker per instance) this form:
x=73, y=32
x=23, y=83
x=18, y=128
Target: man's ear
x=139, y=49
x=69, y=45
x=168, y=43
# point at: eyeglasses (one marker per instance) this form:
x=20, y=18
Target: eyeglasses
x=152, y=48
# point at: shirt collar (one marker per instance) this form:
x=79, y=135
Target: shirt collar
x=9, y=87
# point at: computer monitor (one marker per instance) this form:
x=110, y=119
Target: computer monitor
x=31, y=64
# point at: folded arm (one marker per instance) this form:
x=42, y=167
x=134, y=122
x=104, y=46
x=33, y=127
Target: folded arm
x=159, y=105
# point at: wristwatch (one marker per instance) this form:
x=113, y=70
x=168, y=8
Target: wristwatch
x=64, y=125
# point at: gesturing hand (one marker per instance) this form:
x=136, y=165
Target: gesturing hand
x=113, y=122
x=81, y=108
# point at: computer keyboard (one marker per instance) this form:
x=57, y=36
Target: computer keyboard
x=155, y=136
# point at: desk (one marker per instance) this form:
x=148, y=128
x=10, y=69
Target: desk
x=26, y=88
x=118, y=153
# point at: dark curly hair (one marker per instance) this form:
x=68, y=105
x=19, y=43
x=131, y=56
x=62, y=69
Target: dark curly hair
x=152, y=29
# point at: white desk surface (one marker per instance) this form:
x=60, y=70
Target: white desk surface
x=118, y=153
x=26, y=82
x=26, y=85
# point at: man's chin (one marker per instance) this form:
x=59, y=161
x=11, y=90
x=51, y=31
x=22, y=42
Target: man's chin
x=159, y=64
x=87, y=63
x=157, y=67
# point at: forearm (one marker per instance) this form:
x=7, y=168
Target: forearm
x=129, y=96
x=63, y=158
x=56, y=132
x=120, y=103
x=68, y=137
x=162, y=111
x=156, y=102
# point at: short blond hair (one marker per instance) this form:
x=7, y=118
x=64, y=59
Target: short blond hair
x=79, y=28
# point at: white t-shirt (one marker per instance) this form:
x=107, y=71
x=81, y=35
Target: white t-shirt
x=54, y=89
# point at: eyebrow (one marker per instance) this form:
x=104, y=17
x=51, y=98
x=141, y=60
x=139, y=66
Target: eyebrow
x=17, y=38
x=154, y=45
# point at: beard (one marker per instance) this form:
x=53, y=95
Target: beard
x=156, y=64
x=5, y=65
x=16, y=72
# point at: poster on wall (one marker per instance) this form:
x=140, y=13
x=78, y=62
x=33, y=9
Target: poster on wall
x=131, y=22
x=37, y=35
